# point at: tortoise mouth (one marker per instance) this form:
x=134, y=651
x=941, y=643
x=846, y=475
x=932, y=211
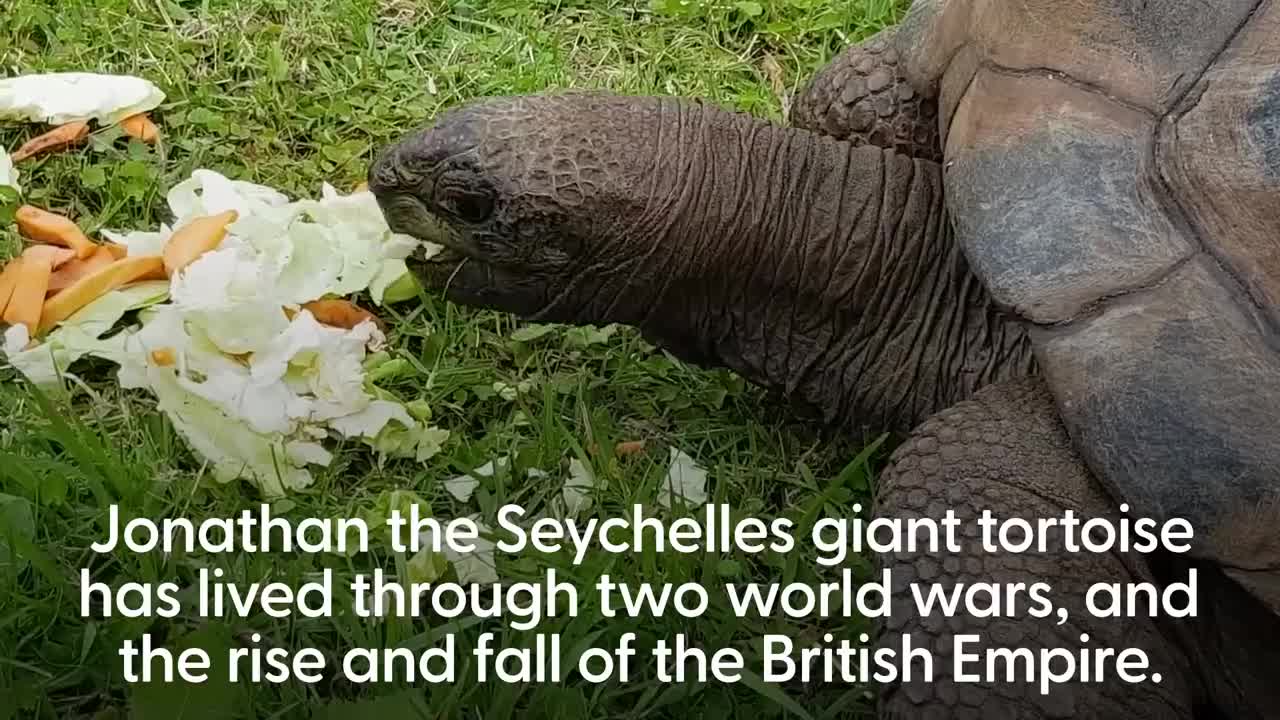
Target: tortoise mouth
x=408, y=215
x=464, y=272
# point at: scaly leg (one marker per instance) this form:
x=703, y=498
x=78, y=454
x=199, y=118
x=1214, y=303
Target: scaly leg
x=861, y=97
x=1006, y=451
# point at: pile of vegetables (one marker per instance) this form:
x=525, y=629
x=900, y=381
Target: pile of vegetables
x=238, y=321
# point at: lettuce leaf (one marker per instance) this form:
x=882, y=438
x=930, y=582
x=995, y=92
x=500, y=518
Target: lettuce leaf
x=8, y=173
x=63, y=97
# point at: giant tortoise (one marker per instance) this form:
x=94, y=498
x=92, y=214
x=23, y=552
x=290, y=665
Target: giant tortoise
x=1040, y=238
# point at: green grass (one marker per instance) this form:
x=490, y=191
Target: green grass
x=292, y=93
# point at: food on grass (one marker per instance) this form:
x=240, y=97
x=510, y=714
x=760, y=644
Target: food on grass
x=629, y=447
x=141, y=127
x=46, y=227
x=254, y=390
x=55, y=256
x=8, y=281
x=51, y=356
x=8, y=173
x=56, y=139
x=196, y=238
x=93, y=286
x=341, y=313
x=164, y=357
x=16, y=339
x=67, y=275
x=63, y=97
x=34, y=269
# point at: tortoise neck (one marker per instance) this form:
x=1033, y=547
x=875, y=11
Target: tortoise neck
x=817, y=269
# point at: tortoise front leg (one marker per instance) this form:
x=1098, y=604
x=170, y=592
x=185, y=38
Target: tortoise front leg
x=862, y=97
x=1006, y=451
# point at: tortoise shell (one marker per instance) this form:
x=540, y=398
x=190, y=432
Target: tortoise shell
x=1112, y=169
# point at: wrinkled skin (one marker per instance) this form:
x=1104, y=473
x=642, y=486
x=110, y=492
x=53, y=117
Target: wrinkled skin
x=781, y=254
x=822, y=261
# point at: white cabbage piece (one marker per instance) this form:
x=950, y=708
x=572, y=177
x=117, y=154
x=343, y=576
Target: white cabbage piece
x=226, y=442
x=359, y=210
x=312, y=266
x=304, y=452
x=141, y=242
x=243, y=428
x=230, y=296
x=576, y=494
x=476, y=566
x=63, y=97
x=370, y=421
x=208, y=192
x=16, y=339
x=303, y=344
x=463, y=487
x=385, y=287
x=8, y=173
x=685, y=479
x=358, y=215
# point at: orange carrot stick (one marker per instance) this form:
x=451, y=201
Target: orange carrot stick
x=45, y=227
x=91, y=287
x=628, y=447
x=340, y=313
x=164, y=357
x=67, y=275
x=141, y=127
x=196, y=238
x=8, y=280
x=27, y=301
x=55, y=256
x=58, y=138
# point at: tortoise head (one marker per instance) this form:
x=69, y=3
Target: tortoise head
x=535, y=199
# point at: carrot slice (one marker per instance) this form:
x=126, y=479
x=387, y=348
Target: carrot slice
x=46, y=227
x=164, y=357
x=8, y=280
x=66, y=276
x=27, y=300
x=91, y=287
x=56, y=139
x=196, y=238
x=141, y=127
x=117, y=250
x=340, y=313
x=55, y=256
x=628, y=447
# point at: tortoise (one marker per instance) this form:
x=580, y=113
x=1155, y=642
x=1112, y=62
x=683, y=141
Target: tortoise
x=1039, y=239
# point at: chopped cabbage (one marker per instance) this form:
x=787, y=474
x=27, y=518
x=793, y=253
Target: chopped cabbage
x=79, y=335
x=8, y=173
x=249, y=377
x=685, y=479
x=60, y=98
